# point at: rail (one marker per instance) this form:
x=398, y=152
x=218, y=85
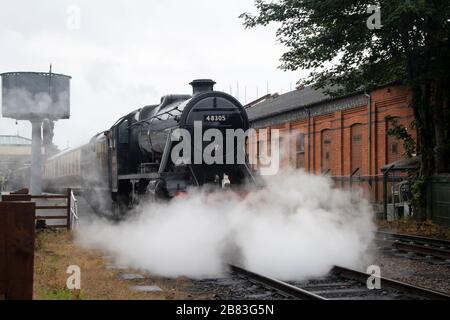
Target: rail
x=429, y=247
x=306, y=292
x=406, y=288
x=413, y=238
x=278, y=285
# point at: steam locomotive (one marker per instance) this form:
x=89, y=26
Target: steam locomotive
x=132, y=160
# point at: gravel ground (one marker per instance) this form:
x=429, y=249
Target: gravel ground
x=232, y=288
x=415, y=270
x=434, y=275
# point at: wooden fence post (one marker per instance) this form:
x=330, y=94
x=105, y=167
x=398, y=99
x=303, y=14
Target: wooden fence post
x=17, y=235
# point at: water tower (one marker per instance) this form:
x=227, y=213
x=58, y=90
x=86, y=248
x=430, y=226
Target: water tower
x=35, y=96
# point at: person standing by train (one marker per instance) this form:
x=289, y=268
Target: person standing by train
x=2, y=182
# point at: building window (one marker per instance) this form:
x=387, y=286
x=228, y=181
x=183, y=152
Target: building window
x=300, y=143
x=394, y=148
x=356, y=148
x=282, y=147
x=326, y=151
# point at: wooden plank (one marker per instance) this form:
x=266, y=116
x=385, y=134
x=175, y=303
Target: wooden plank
x=16, y=197
x=17, y=250
x=50, y=217
x=51, y=207
x=21, y=191
x=49, y=197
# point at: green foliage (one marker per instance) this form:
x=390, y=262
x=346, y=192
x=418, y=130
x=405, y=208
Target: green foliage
x=401, y=132
x=331, y=38
x=417, y=189
x=416, y=181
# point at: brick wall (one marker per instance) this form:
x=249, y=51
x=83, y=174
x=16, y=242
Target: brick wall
x=337, y=143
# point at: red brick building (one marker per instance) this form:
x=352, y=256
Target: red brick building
x=332, y=135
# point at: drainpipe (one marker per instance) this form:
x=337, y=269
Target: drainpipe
x=385, y=190
x=369, y=123
x=309, y=140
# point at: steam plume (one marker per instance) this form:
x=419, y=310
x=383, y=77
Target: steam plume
x=297, y=226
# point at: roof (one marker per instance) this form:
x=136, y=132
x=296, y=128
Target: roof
x=289, y=101
x=14, y=140
x=67, y=151
x=402, y=164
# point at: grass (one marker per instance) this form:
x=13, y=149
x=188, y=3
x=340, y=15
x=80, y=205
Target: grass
x=55, y=251
x=61, y=295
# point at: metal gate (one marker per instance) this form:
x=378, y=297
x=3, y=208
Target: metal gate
x=439, y=200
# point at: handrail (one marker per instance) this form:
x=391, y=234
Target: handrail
x=156, y=116
x=74, y=219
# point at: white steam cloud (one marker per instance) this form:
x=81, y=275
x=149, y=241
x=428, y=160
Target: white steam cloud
x=298, y=226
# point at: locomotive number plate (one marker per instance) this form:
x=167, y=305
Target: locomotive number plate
x=216, y=118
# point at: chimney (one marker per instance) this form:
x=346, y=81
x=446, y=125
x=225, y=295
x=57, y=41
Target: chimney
x=202, y=86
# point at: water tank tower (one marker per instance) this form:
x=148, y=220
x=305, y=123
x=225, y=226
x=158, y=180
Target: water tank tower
x=35, y=96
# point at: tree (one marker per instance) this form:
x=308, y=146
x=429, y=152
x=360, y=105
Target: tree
x=333, y=40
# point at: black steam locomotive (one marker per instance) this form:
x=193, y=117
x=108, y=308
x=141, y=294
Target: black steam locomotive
x=132, y=160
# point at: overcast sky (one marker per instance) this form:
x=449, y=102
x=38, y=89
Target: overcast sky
x=125, y=54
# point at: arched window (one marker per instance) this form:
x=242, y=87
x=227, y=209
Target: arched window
x=300, y=150
x=326, y=151
x=393, y=151
x=356, y=148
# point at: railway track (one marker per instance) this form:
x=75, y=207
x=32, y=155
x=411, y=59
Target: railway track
x=428, y=247
x=343, y=284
